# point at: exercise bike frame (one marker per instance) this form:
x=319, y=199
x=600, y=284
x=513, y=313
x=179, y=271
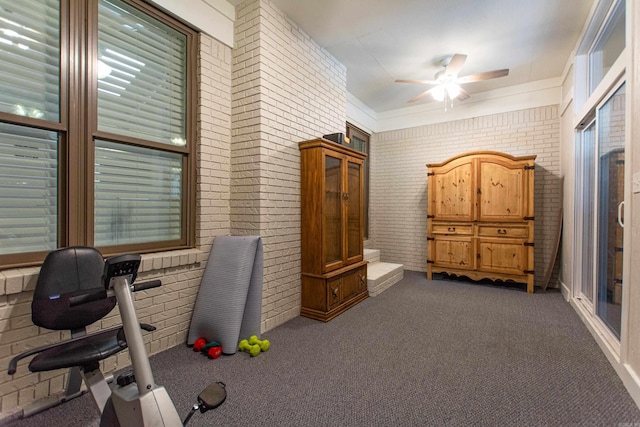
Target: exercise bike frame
x=137, y=401
x=142, y=403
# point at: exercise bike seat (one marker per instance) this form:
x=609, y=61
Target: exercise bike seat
x=85, y=352
x=67, y=273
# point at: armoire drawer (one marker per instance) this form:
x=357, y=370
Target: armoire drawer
x=498, y=230
x=449, y=228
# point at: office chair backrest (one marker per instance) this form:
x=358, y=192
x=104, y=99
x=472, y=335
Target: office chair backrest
x=64, y=273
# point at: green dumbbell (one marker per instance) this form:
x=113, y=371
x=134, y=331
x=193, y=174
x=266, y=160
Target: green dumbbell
x=263, y=344
x=253, y=350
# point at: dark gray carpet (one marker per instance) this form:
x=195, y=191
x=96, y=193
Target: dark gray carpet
x=421, y=353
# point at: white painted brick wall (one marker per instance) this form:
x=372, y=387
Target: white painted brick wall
x=398, y=192
x=286, y=89
x=168, y=308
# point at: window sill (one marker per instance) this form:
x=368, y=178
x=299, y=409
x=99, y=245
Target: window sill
x=17, y=280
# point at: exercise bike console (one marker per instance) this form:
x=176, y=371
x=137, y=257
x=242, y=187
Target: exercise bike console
x=123, y=266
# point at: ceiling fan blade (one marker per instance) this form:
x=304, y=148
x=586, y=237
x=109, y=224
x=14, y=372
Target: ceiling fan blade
x=422, y=82
x=456, y=63
x=463, y=95
x=487, y=75
x=422, y=95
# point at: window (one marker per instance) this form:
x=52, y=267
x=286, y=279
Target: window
x=97, y=128
x=608, y=46
x=360, y=142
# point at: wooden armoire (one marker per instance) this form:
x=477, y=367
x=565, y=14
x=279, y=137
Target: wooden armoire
x=480, y=219
x=334, y=272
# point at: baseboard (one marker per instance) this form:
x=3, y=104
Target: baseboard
x=565, y=291
x=8, y=418
x=633, y=385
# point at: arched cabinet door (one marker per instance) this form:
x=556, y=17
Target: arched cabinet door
x=502, y=189
x=452, y=191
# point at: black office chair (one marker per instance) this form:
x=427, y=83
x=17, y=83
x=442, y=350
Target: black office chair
x=66, y=273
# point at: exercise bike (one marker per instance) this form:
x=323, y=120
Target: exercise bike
x=77, y=287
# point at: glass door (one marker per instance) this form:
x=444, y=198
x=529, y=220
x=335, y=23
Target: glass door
x=354, y=211
x=333, y=212
x=360, y=142
x=610, y=198
x=599, y=206
x=586, y=187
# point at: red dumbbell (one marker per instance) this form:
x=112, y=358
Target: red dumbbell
x=200, y=342
x=214, y=352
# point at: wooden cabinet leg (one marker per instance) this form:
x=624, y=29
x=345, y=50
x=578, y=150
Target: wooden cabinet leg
x=530, y=285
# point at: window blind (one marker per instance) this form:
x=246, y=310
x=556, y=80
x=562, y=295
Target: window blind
x=137, y=194
x=28, y=189
x=30, y=52
x=142, y=75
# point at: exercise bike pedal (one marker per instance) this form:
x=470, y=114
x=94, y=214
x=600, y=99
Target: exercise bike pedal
x=212, y=396
x=126, y=379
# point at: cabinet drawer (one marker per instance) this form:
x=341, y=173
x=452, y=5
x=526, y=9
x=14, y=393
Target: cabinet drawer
x=462, y=229
x=502, y=231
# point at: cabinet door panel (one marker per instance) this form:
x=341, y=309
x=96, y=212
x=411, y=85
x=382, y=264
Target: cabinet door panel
x=507, y=256
x=454, y=252
x=333, y=212
x=355, y=230
x=334, y=293
x=502, y=191
x=362, y=279
x=452, y=191
x=350, y=284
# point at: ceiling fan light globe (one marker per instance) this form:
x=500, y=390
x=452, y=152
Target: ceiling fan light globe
x=438, y=93
x=453, y=90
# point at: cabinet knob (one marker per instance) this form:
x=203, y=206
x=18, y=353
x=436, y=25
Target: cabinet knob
x=502, y=231
x=345, y=196
x=361, y=279
x=335, y=292
x=451, y=229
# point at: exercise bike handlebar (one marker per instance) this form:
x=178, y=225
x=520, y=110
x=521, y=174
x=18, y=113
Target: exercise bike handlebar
x=146, y=285
x=100, y=294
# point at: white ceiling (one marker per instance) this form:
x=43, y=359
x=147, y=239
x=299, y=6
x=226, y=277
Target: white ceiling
x=380, y=41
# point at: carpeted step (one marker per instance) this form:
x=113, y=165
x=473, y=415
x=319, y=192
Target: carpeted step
x=372, y=255
x=382, y=275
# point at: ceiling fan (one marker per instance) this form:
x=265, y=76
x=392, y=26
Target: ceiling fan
x=447, y=83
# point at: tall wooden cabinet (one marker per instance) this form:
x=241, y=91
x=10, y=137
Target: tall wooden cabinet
x=480, y=219
x=334, y=273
